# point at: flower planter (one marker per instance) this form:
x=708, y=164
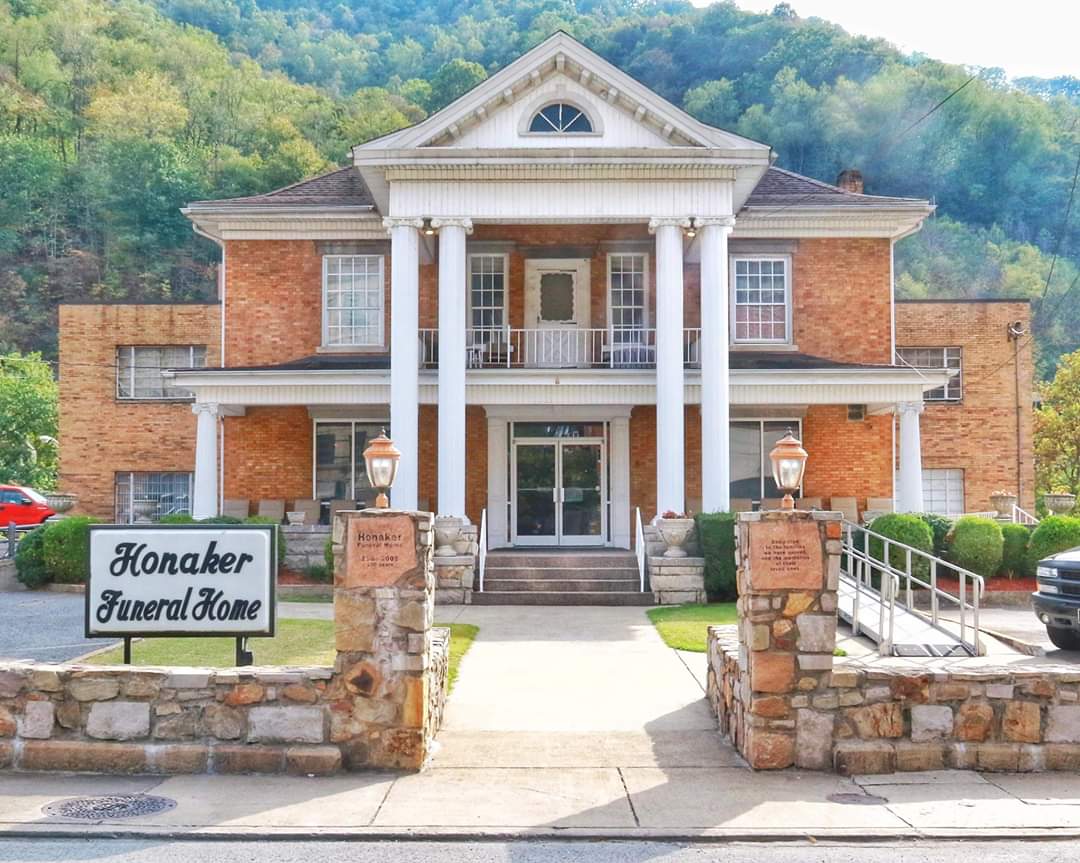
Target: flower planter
x=675, y=532
x=1060, y=504
x=1003, y=502
x=447, y=532
x=60, y=502
x=295, y=517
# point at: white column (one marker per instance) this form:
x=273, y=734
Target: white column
x=453, y=304
x=620, y=482
x=405, y=355
x=670, y=438
x=204, y=503
x=909, y=489
x=715, y=390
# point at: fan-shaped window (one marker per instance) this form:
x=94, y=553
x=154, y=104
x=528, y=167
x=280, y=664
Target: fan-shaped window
x=560, y=117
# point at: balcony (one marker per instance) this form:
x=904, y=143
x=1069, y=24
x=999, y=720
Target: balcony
x=559, y=348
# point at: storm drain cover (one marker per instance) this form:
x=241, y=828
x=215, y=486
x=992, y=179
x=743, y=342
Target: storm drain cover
x=109, y=806
x=854, y=799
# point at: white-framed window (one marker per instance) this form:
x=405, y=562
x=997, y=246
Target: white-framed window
x=139, y=368
x=560, y=118
x=750, y=442
x=143, y=496
x=353, y=295
x=943, y=490
x=938, y=358
x=487, y=292
x=628, y=297
x=761, y=299
x=338, y=470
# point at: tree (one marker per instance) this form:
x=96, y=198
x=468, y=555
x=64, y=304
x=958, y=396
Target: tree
x=452, y=80
x=714, y=102
x=1057, y=429
x=28, y=421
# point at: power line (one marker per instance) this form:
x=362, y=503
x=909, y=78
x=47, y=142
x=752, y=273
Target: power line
x=1064, y=222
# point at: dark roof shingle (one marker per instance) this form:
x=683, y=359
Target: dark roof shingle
x=786, y=188
x=343, y=187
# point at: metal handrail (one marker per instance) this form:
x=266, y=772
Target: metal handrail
x=481, y=548
x=864, y=564
x=639, y=546
x=1022, y=516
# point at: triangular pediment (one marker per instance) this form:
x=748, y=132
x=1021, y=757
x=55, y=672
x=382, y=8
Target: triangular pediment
x=622, y=112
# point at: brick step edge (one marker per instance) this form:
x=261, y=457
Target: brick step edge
x=555, y=599
x=533, y=585
x=561, y=572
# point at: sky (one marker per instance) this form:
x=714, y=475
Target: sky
x=1035, y=37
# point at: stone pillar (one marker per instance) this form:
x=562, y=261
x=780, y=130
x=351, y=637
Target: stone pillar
x=453, y=305
x=789, y=570
x=715, y=390
x=670, y=386
x=405, y=355
x=204, y=498
x=381, y=709
x=909, y=493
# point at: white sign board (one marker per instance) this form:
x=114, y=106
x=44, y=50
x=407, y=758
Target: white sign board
x=181, y=580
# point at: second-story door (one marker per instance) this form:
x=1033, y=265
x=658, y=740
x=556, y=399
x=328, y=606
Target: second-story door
x=557, y=333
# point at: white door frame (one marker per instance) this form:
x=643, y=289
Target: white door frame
x=556, y=343
x=559, y=492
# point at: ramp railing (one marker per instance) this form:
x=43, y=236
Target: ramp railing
x=481, y=548
x=639, y=546
x=900, y=570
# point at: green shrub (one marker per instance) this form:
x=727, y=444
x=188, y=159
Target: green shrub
x=30, y=566
x=716, y=533
x=176, y=518
x=67, y=549
x=976, y=543
x=223, y=519
x=1055, y=533
x=319, y=572
x=940, y=526
x=1014, y=551
x=278, y=532
x=328, y=555
x=906, y=528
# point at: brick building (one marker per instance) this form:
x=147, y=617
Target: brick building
x=571, y=303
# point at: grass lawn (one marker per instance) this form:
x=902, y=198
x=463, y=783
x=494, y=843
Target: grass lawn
x=298, y=642
x=684, y=626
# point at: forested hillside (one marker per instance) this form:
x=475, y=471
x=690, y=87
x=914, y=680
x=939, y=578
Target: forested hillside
x=114, y=113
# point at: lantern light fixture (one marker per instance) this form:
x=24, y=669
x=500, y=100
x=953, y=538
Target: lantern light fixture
x=429, y=229
x=381, y=459
x=788, y=464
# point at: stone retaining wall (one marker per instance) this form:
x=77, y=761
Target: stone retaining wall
x=379, y=706
x=8, y=581
x=456, y=574
x=677, y=580
x=864, y=719
x=305, y=545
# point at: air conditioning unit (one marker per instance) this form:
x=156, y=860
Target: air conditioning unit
x=856, y=413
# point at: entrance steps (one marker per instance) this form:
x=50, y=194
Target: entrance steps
x=562, y=577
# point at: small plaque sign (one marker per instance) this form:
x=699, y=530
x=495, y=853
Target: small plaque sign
x=379, y=551
x=786, y=555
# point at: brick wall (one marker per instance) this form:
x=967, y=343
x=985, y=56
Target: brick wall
x=268, y=454
x=978, y=434
x=847, y=459
x=101, y=435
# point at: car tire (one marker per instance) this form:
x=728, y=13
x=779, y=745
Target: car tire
x=1063, y=638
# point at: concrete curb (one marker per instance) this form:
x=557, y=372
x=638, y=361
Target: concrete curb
x=531, y=834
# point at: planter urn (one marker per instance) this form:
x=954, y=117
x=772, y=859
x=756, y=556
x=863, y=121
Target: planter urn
x=1003, y=502
x=295, y=517
x=60, y=502
x=675, y=532
x=1061, y=503
x=447, y=532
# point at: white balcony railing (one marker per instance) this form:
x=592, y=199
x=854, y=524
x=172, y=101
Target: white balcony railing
x=559, y=348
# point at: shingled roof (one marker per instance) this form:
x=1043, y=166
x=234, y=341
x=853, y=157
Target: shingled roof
x=786, y=189
x=340, y=188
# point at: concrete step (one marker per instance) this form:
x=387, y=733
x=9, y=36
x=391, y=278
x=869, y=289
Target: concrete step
x=557, y=560
x=577, y=598
x=542, y=585
x=561, y=573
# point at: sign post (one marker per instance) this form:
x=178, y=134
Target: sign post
x=182, y=580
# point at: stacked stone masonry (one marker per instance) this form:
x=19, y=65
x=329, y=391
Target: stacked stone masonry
x=379, y=706
x=861, y=720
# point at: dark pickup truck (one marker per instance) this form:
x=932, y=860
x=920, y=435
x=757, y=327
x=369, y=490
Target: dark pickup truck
x=1057, y=600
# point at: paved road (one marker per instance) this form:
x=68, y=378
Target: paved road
x=43, y=626
x=138, y=851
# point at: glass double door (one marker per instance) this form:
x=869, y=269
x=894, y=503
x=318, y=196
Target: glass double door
x=559, y=492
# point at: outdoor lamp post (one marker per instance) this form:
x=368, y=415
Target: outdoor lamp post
x=381, y=460
x=788, y=463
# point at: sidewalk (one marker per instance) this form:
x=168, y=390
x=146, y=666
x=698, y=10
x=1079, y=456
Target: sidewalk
x=579, y=802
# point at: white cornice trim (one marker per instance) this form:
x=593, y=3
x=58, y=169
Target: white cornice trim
x=538, y=171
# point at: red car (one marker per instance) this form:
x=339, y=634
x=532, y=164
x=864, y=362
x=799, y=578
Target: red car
x=24, y=506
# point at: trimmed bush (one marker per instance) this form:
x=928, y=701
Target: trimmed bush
x=716, y=533
x=224, y=519
x=1055, y=533
x=328, y=556
x=319, y=572
x=176, y=518
x=1014, y=551
x=67, y=549
x=976, y=543
x=30, y=566
x=906, y=528
x=278, y=533
x=940, y=526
